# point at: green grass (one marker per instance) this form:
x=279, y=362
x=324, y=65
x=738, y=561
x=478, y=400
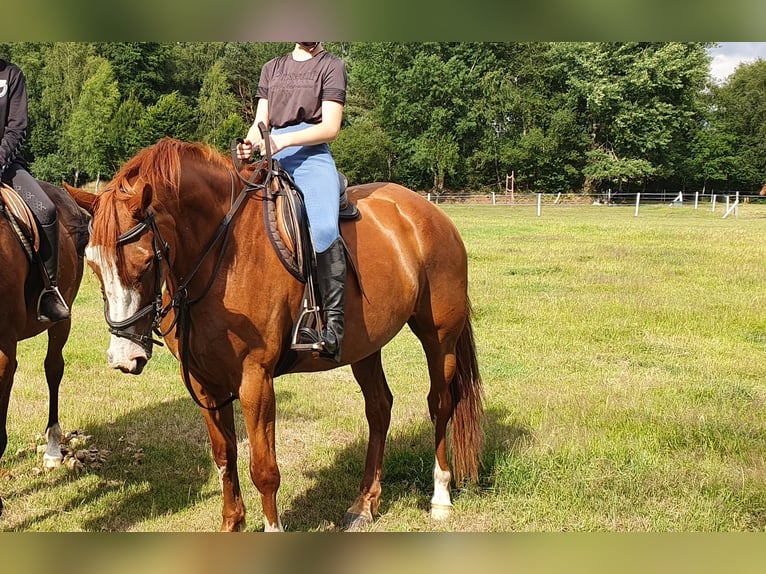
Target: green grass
x=624, y=361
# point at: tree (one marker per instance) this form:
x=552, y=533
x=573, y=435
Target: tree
x=141, y=68
x=740, y=113
x=439, y=153
x=171, y=116
x=125, y=139
x=218, y=108
x=242, y=63
x=189, y=62
x=364, y=152
x=636, y=100
x=530, y=125
x=87, y=132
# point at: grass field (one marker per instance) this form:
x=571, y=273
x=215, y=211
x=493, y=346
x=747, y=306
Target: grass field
x=624, y=363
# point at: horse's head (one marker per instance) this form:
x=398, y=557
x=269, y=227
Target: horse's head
x=125, y=252
x=139, y=210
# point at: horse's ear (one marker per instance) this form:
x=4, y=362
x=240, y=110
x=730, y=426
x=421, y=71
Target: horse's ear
x=83, y=198
x=144, y=195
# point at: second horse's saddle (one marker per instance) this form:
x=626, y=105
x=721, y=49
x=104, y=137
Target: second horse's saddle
x=21, y=219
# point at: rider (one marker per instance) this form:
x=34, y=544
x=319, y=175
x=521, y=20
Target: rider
x=13, y=132
x=301, y=98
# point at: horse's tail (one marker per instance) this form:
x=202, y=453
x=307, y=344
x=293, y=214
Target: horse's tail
x=468, y=412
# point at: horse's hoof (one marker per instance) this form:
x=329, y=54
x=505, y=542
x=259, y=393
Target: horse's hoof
x=233, y=525
x=441, y=511
x=353, y=521
x=52, y=461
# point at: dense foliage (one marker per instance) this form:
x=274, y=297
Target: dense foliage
x=562, y=117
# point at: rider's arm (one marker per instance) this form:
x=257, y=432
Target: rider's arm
x=15, y=132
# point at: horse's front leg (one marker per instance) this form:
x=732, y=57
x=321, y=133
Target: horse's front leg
x=259, y=411
x=223, y=439
x=7, y=371
x=54, y=371
x=378, y=402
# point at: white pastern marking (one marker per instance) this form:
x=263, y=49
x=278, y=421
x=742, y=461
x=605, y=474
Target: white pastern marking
x=268, y=527
x=441, y=486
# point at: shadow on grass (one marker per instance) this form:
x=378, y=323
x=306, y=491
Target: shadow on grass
x=140, y=484
x=407, y=473
x=136, y=475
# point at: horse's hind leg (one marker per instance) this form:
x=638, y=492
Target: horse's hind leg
x=439, y=348
x=378, y=402
x=54, y=371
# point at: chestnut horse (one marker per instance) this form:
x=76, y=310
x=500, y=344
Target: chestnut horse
x=20, y=285
x=167, y=230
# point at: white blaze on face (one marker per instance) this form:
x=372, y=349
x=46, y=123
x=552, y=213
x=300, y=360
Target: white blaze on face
x=122, y=303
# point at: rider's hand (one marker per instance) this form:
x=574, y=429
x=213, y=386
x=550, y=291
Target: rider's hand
x=245, y=150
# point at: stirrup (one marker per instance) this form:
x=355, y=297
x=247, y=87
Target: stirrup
x=309, y=316
x=55, y=290
x=310, y=339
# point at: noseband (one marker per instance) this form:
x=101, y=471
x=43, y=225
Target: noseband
x=127, y=327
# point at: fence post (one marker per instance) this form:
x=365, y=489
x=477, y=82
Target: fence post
x=696, y=199
x=638, y=200
x=734, y=207
x=712, y=202
x=539, y=203
x=493, y=198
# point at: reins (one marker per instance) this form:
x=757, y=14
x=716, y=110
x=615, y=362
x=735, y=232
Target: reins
x=179, y=297
x=182, y=304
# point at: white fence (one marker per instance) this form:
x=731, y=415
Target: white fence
x=726, y=203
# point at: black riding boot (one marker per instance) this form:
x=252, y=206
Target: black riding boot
x=331, y=278
x=51, y=305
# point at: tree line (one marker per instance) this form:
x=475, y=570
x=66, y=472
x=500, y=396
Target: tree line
x=564, y=117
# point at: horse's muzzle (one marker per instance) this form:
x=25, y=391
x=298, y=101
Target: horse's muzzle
x=132, y=364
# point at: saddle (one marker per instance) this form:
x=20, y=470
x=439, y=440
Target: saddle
x=287, y=227
x=21, y=219
x=287, y=224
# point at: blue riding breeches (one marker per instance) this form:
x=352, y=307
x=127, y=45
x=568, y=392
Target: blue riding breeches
x=315, y=174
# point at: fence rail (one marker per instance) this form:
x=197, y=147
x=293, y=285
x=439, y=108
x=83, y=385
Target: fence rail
x=727, y=202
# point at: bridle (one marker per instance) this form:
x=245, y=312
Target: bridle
x=155, y=310
x=179, y=296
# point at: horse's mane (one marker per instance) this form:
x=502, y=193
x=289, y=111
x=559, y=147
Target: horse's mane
x=160, y=167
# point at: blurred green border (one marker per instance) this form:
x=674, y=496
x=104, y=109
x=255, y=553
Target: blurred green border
x=338, y=553
x=396, y=20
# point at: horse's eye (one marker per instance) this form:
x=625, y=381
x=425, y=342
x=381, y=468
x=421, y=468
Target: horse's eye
x=146, y=266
